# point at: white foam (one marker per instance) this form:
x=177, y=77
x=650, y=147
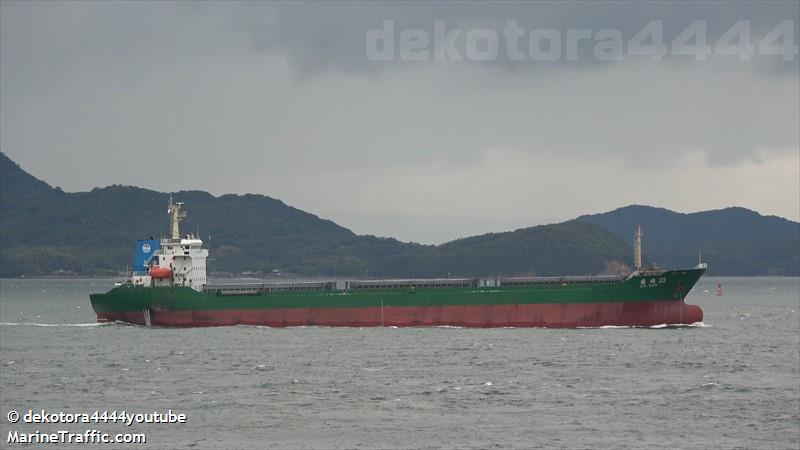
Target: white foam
x=655, y=327
x=34, y=324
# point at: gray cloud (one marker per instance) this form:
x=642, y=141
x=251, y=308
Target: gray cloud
x=279, y=99
x=330, y=36
x=322, y=36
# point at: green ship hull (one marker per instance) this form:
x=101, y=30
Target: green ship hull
x=643, y=299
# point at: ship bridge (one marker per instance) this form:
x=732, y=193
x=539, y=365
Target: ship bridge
x=178, y=261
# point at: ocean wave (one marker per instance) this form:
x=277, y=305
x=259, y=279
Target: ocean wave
x=34, y=324
x=652, y=327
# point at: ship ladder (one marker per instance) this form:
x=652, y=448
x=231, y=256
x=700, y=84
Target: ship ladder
x=147, y=320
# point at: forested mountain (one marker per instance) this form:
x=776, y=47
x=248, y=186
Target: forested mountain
x=45, y=230
x=734, y=241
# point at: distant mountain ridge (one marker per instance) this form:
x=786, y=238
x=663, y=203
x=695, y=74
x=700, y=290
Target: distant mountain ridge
x=734, y=241
x=44, y=230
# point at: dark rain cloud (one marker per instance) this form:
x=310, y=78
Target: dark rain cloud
x=324, y=36
x=249, y=95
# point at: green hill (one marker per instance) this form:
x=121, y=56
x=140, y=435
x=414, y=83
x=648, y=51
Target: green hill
x=560, y=249
x=44, y=230
x=734, y=241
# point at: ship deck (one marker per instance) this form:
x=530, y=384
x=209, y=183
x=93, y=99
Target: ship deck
x=390, y=284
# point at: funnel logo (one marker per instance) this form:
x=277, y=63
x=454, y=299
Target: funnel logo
x=146, y=248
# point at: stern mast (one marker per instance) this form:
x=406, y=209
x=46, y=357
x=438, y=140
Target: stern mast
x=637, y=249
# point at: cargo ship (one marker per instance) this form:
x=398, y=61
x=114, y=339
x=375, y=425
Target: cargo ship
x=169, y=288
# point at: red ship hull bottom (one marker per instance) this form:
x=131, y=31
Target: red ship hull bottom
x=542, y=315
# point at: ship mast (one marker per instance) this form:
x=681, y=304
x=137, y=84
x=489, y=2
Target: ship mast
x=174, y=210
x=637, y=249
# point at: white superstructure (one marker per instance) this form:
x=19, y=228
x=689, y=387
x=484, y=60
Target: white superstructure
x=180, y=260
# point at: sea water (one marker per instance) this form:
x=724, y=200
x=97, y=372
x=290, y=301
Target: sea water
x=732, y=382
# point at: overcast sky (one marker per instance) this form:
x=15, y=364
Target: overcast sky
x=283, y=100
